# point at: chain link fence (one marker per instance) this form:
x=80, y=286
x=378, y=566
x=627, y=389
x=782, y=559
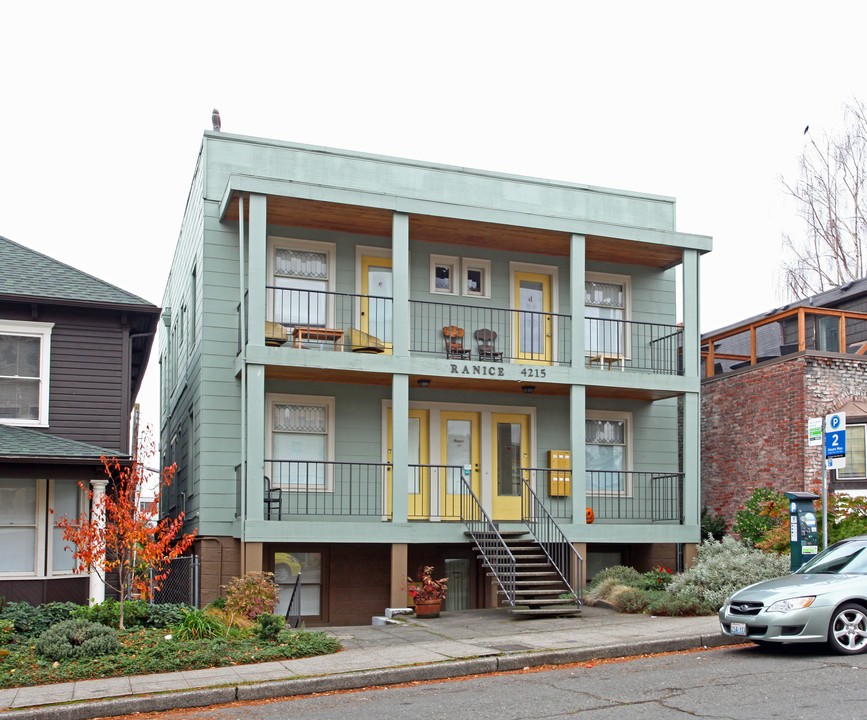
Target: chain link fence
x=182, y=583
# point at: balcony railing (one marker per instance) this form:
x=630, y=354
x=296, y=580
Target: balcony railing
x=328, y=488
x=490, y=333
x=630, y=345
x=436, y=492
x=613, y=496
x=642, y=496
x=324, y=320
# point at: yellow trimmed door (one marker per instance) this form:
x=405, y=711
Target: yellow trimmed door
x=534, y=323
x=418, y=480
x=376, y=285
x=459, y=439
x=510, y=436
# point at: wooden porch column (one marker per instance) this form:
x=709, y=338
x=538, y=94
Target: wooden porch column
x=802, y=330
x=577, y=275
x=691, y=335
x=581, y=549
x=399, y=560
x=577, y=413
x=400, y=284
x=399, y=448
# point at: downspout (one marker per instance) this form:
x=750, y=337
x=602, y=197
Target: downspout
x=243, y=326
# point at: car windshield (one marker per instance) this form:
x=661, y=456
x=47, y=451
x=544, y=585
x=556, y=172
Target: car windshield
x=844, y=557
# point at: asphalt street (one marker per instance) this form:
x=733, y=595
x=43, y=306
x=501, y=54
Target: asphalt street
x=740, y=682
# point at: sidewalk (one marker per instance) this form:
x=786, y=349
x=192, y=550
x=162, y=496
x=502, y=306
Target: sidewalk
x=457, y=643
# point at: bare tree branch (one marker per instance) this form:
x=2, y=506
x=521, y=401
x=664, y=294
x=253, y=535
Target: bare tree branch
x=831, y=201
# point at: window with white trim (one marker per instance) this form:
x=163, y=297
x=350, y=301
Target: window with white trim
x=25, y=355
x=444, y=271
x=477, y=277
x=606, y=306
x=301, y=441
x=856, y=454
x=34, y=546
x=302, y=274
x=606, y=452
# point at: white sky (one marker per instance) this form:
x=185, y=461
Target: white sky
x=102, y=108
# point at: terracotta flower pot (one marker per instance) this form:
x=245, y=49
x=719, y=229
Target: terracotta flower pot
x=428, y=608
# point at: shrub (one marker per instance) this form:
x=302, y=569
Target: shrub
x=723, y=567
x=761, y=513
x=269, y=626
x=657, y=579
x=135, y=613
x=166, y=615
x=252, y=594
x=847, y=517
x=200, y=625
x=30, y=621
x=619, y=574
x=77, y=638
x=219, y=602
x=713, y=525
x=7, y=631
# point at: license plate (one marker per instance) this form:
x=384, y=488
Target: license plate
x=739, y=628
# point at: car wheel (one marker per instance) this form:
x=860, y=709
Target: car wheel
x=847, y=633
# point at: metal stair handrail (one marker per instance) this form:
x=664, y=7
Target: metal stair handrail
x=553, y=541
x=495, y=552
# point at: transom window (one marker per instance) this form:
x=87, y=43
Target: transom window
x=24, y=361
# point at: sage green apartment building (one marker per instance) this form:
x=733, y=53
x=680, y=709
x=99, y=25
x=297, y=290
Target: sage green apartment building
x=369, y=364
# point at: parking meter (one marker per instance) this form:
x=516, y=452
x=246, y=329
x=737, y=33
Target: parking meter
x=804, y=528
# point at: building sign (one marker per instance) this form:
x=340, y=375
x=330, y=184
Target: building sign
x=814, y=432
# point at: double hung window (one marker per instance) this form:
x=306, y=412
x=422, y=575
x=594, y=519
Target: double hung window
x=25, y=351
x=607, y=452
x=301, y=431
x=605, y=309
x=302, y=273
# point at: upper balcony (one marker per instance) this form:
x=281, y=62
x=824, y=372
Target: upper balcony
x=783, y=333
x=304, y=319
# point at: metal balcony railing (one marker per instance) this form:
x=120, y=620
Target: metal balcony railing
x=644, y=497
x=635, y=496
x=315, y=487
x=630, y=345
x=489, y=333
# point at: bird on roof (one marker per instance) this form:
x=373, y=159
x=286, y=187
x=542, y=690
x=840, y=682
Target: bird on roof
x=805, y=129
x=215, y=118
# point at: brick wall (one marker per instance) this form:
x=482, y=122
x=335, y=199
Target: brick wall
x=754, y=425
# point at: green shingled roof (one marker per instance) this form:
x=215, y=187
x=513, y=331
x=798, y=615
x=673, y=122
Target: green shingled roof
x=29, y=443
x=27, y=273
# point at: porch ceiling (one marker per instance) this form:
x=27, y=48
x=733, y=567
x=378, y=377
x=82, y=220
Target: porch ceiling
x=365, y=220
x=314, y=374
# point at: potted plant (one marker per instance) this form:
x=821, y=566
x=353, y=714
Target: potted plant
x=427, y=593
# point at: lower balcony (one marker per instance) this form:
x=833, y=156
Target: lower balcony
x=435, y=493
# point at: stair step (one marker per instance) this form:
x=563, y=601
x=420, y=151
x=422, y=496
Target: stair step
x=558, y=610
x=556, y=592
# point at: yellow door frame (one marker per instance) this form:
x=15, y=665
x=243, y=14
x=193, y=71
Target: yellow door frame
x=508, y=507
x=418, y=503
x=368, y=261
x=450, y=508
x=547, y=355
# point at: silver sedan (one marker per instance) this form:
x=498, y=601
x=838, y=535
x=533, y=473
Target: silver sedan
x=824, y=601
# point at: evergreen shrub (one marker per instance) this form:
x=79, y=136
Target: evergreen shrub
x=77, y=638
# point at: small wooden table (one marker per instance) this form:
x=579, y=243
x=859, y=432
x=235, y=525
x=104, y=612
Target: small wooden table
x=319, y=334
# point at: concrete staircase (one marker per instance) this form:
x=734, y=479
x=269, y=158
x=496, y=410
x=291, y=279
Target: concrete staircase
x=538, y=585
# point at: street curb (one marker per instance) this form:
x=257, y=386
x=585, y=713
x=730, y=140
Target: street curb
x=89, y=710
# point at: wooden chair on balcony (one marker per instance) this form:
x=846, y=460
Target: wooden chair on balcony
x=454, y=338
x=273, y=499
x=487, y=345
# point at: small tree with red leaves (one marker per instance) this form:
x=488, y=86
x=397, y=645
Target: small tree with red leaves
x=119, y=540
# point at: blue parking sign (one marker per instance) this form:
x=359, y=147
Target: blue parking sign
x=835, y=444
